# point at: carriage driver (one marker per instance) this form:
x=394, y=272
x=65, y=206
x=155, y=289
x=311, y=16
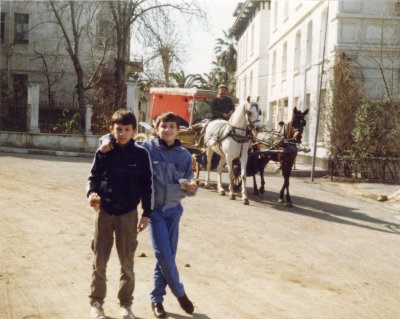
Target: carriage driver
x=222, y=106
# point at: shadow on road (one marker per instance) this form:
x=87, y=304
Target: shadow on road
x=317, y=209
x=324, y=211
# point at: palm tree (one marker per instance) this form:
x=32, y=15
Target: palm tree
x=226, y=54
x=183, y=80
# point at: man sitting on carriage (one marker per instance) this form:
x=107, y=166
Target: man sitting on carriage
x=222, y=106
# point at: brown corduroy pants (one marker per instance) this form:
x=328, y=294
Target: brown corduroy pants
x=125, y=229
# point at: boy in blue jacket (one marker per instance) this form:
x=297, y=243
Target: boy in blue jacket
x=117, y=182
x=171, y=163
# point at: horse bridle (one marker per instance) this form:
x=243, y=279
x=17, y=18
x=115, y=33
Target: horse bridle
x=247, y=118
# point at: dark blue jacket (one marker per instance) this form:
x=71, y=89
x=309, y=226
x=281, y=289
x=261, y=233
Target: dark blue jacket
x=122, y=177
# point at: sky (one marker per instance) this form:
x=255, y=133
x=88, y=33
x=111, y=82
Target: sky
x=201, y=52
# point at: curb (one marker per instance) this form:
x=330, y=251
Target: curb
x=36, y=151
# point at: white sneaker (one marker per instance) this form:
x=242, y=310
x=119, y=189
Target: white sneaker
x=127, y=313
x=97, y=311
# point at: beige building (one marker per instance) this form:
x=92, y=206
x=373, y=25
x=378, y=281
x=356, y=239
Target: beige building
x=33, y=49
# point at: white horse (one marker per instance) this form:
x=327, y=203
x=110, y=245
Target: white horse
x=231, y=140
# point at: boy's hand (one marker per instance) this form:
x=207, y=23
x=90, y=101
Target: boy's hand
x=191, y=188
x=189, y=185
x=94, y=201
x=144, y=221
x=106, y=146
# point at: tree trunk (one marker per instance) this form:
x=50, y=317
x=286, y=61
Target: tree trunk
x=120, y=83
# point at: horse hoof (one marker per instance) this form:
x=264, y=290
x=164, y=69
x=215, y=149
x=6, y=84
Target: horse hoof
x=206, y=186
x=232, y=197
x=221, y=193
x=289, y=204
x=245, y=201
x=280, y=200
x=261, y=190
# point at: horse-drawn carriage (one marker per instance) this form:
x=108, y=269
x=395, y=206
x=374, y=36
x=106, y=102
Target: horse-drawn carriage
x=234, y=140
x=183, y=102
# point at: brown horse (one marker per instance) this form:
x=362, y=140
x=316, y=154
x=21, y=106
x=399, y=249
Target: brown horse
x=284, y=152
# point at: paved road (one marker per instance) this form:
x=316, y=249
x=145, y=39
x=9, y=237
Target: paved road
x=333, y=255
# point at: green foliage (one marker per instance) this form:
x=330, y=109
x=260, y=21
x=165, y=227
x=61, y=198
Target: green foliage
x=346, y=99
x=70, y=123
x=374, y=132
x=203, y=111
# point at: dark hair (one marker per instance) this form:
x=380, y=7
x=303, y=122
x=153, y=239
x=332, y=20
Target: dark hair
x=167, y=117
x=124, y=117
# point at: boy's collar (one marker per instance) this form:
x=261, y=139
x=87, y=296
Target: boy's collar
x=162, y=142
x=117, y=146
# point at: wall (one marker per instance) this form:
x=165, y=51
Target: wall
x=67, y=144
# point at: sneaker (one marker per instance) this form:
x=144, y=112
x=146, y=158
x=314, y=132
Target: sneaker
x=186, y=304
x=127, y=313
x=158, y=310
x=97, y=311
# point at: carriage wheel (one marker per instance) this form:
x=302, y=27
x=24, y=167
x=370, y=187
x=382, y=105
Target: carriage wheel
x=237, y=178
x=195, y=166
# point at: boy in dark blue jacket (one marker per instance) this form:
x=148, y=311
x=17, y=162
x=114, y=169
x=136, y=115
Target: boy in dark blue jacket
x=173, y=180
x=117, y=182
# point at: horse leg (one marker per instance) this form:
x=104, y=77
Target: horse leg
x=220, y=167
x=262, y=189
x=209, y=158
x=286, y=170
x=243, y=161
x=255, y=189
x=287, y=177
x=262, y=168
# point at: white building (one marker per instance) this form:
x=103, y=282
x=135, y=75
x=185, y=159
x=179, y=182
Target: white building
x=251, y=32
x=295, y=36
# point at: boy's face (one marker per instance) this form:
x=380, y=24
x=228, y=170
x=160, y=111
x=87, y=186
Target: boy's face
x=168, y=131
x=122, y=133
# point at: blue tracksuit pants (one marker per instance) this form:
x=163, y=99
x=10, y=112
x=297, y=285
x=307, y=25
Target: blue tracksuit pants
x=164, y=231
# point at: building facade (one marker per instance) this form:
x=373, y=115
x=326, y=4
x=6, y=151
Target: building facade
x=33, y=49
x=249, y=29
x=303, y=35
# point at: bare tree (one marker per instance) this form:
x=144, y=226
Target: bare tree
x=49, y=65
x=76, y=21
x=383, y=52
x=160, y=35
x=126, y=14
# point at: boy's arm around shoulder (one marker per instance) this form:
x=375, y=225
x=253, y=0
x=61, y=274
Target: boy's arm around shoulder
x=146, y=183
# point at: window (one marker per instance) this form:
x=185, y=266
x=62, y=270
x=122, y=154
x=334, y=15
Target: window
x=252, y=40
x=306, y=132
x=297, y=51
x=2, y=29
x=273, y=67
x=105, y=34
x=286, y=9
x=322, y=117
x=251, y=84
x=309, y=44
x=283, y=110
x=322, y=33
x=20, y=88
x=284, y=61
x=21, y=28
x=272, y=115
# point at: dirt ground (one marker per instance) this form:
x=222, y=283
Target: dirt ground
x=331, y=256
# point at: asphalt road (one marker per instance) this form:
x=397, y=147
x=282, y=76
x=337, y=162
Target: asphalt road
x=333, y=255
